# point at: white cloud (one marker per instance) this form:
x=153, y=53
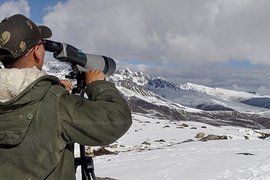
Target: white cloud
x=262, y=90
x=171, y=31
x=12, y=7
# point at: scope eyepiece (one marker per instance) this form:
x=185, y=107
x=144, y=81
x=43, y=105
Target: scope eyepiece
x=52, y=46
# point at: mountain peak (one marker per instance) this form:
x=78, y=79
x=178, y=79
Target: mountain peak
x=138, y=78
x=128, y=71
x=196, y=87
x=160, y=83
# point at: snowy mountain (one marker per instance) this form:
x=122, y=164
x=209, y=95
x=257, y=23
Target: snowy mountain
x=230, y=95
x=155, y=96
x=225, y=94
x=189, y=95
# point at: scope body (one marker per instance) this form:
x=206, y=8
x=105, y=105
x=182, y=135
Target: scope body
x=67, y=53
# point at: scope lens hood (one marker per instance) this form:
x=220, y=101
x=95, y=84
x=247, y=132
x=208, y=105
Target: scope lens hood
x=110, y=66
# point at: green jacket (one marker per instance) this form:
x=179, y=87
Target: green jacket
x=39, y=124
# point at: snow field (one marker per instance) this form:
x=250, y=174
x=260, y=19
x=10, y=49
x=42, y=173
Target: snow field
x=156, y=149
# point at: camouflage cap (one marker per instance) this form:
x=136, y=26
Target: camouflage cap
x=18, y=35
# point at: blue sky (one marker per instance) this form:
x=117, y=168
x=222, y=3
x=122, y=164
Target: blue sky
x=38, y=8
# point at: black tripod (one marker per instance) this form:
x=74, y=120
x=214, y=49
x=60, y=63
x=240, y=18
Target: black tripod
x=86, y=162
x=87, y=165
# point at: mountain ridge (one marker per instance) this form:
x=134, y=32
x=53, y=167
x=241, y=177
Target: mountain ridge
x=157, y=97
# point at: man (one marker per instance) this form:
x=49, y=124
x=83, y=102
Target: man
x=39, y=119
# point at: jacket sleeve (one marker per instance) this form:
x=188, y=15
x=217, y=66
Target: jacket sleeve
x=99, y=120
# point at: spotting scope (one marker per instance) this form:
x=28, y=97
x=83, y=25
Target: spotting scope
x=67, y=53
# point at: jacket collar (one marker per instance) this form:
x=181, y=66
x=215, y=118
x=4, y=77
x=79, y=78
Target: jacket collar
x=20, y=86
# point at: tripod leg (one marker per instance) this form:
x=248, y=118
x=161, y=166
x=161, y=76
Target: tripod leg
x=87, y=165
x=90, y=168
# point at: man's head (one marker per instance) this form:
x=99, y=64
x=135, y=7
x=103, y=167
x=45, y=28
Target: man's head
x=21, y=42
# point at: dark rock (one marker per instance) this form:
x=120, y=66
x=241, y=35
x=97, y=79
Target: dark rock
x=184, y=125
x=200, y=135
x=160, y=140
x=180, y=127
x=246, y=154
x=263, y=135
x=102, y=151
x=146, y=143
x=213, y=137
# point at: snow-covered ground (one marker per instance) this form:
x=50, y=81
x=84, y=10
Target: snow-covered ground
x=156, y=149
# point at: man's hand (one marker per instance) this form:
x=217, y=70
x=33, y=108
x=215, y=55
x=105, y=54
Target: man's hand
x=93, y=75
x=66, y=84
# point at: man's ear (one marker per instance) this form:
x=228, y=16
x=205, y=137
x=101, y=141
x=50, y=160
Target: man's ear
x=36, y=54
